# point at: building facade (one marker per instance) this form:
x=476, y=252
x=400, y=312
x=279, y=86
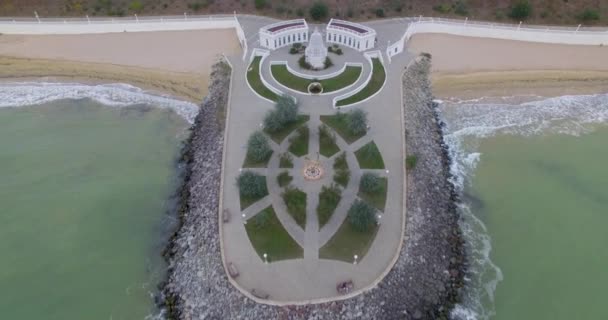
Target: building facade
x=283, y=34
x=349, y=34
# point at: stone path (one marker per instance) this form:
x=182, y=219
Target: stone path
x=311, y=278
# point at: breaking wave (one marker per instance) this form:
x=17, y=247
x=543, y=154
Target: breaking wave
x=117, y=95
x=469, y=121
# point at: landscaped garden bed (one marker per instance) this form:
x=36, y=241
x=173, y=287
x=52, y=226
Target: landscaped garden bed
x=329, y=197
x=369, y=157
x=254, y=80
x=252, y=188
x=298, y=144
x=350, y=126
x=258, y=151
x=372, y=189
x=292, y=81
x=295, y=200
x=374, y=85
x=327, y=142
x=341, y=170
x=268, y=236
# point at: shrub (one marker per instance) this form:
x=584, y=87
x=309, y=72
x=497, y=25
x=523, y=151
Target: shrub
x=318, y=11
x=294, y=51
x=410, y=162
x=251, y=184
x=379, y=13
x=370, y=183
x=136, y=6
x=357, y=122
x=303, y=64
x=300, y=12
x=260, y=4
x=460, y=8
x=350, y=13
x=285, y=161
x=339, y=51
x=328, y=63
x=521, y=10
x=284, y=178
x=341, y=171
x=361, y=216
x=285, y=112
x=295, y=200
x=442, y=8
x=260, y=220
x=589, y=15
x=258, y=148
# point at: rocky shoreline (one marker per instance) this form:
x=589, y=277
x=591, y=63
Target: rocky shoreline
x=424, y=282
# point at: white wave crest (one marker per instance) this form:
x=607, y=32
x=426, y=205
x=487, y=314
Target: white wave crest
x=116, y=94
x=469, y=121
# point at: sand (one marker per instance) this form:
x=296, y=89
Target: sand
x=173, y=62
x=468, y=67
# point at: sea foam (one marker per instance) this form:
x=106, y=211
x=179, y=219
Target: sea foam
x=469, y=121
x=116, y=95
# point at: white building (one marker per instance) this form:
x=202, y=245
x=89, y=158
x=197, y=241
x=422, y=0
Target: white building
x=316, y=52
x=283, y=33
x=353, y=35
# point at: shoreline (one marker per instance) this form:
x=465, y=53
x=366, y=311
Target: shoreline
x=191, y=87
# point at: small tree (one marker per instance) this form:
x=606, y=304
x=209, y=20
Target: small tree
x=361, y=216
x=258, y=148
x=251, y=184
x=370, y=183
x=318, y=11
x=521, y=10
x=379, y=13
x=260, y=4
x=589, y=15
x=357, y=122
x=285, y=112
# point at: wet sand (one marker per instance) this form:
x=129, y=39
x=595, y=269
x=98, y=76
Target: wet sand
x=177, y=63
x=468, y=67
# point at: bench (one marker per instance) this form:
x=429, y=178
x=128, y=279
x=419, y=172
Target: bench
x=232, y=270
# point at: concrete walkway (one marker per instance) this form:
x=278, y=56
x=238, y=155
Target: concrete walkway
x=312, y=278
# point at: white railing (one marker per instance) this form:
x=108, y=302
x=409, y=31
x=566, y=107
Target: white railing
x=240, y=33
x=114, y=24
x=578, y=35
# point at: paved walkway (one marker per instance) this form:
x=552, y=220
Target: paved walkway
x=312, y=278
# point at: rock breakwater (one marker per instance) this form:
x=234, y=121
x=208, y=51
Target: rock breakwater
x=425, y=279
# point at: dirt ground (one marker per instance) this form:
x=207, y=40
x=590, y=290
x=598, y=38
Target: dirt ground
x=565, y=12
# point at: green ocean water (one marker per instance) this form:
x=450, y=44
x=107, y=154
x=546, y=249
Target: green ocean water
x=84, y=193
x=544, y=201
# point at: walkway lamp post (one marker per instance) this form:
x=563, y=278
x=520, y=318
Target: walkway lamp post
x=355, y=257
x=379, y=217
x=37, y=17
x=185, y=16
x=265, y=258
x=244, y=220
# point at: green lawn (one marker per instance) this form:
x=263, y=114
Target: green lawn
x=348, y=242
x=281, y=134
x=284, y=179
x=341, y=171
x=253, y=78
x=267, y=235
x=295, y=200
x=339, y=124
x=329, y=197
x=285, y=160
x=247, y=201
x=298, y=144
x=249, y=163
x=290, y=80
x=374, y=84
x=369, y=157
x=377, y=199
x=327, y=142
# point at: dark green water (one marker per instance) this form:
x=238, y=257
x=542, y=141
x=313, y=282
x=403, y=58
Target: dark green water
x=83, y=196
x=544, y=201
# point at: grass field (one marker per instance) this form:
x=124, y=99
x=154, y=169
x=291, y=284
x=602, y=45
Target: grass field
x=281, y=134
x=369, y=157
x=348, y=242
x=377, y=199
x=284, y=179
x=267, y=235
x=290, y=80
x=374, y=84
x=338, y=123
x=254, y=80
x=295, y=200
x=298, y=144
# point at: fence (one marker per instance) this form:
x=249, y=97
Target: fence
x=544, y=34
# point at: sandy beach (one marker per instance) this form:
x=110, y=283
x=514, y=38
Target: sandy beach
x=177, y=63
x=467, y=67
